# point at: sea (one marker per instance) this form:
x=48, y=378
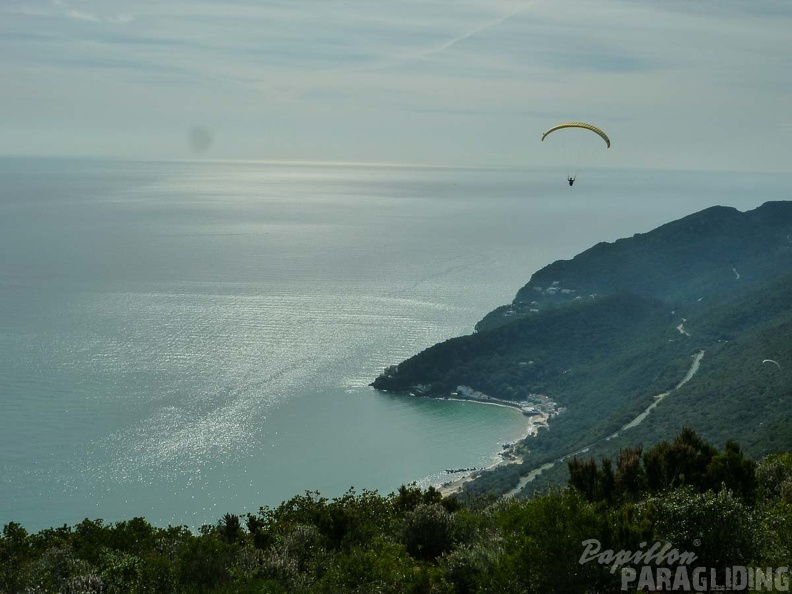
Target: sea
x=180, y=340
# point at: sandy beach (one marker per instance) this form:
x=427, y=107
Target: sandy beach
x=507, y=456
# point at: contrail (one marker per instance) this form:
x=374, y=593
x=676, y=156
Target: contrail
x=488, y=25
x=393, y=60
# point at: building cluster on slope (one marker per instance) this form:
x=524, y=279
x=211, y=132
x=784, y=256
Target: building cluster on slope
x=532, y=307
x=534, y=404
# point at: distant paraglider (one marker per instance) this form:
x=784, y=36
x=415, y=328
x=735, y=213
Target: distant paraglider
x=773, y=362
x=574, y=146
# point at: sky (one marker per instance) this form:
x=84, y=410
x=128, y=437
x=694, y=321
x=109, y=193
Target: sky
x=676, y=84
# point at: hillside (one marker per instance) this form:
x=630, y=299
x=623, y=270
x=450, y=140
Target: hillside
x=716, y=282
x=730, y=510
x=734, y=394
x=703, y=256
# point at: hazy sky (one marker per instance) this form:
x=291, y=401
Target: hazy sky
x=704, y=84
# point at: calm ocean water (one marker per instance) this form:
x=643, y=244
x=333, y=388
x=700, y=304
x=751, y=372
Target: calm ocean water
x=182, y=340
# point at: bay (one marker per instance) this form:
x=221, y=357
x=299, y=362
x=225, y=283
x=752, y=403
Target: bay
x=179, y=340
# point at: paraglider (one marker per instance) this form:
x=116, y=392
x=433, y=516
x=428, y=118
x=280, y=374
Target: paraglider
x=773, y=362
x=582, y=125
x=574, y=145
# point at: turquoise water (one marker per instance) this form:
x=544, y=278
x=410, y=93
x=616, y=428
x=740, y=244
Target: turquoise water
x=182, y=340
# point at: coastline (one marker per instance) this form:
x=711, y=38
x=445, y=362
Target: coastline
x=508, y=455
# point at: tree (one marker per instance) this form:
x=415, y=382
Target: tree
x=734, y=471
x=542, y=545
x=230, y=528
x=630, y=478
x=718, y=528
x=774, y=479
x=684, y=461
x=428, y=531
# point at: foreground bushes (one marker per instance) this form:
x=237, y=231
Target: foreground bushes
x=726, y=509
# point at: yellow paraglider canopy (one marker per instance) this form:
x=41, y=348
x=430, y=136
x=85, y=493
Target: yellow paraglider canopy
x=579, y=125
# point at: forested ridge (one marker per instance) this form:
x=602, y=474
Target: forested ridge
x=604, y=333
x=717, y=503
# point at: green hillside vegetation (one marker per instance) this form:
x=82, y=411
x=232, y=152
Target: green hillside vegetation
x=534, y=355
x=605, y=357
x=603, y=360
x=733, y=394
x=722, y=506
x=684, y=260
x=718, y=251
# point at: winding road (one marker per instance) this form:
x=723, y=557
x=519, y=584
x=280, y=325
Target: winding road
x=634, y=423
